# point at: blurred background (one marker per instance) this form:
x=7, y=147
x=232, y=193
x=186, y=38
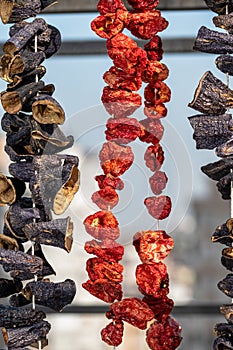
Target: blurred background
x=194, y=264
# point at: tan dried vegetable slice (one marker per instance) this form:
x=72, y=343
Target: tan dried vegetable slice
x=46, y=110
x=8, y=243
x=8, y=190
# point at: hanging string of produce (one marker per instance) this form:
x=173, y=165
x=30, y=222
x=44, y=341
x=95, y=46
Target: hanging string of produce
x=133, y=66
x=213, y=130
x=33, y=143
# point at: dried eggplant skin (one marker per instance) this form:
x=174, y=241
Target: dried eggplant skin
x=226, y=285
x=223, y=235
x=7, y=288
x=11, y=317
x=227, y=311
x=225, y=64
x=210, y=131
x=224, y=21
x=22, y=171
x=11, y=189
x=53, y=295
x=224, y=186
x=212, y=96
x=219, y=6
x=24, y=336
x=18, y=300
x=221, y=343
x=224, y=330
x=18, y=10
x=8, y=243
x=16, y=260
x=219, y=169
x=211, y=41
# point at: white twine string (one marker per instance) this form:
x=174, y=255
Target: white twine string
x=157, y=225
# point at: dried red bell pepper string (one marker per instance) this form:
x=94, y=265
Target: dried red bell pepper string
x=132, y=67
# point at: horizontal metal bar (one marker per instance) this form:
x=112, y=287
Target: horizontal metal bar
x=178, y=310
x=75, y=6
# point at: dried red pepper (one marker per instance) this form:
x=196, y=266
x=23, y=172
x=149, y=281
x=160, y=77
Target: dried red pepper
x=158, y=207
x=110, y=6
x=161, y=307
x=118, y=79
x=143, y=4
x=108, y=180
x=154, y=49
x=123, y=130
x=101, y=225
x=146, y=24
x=108, y=25
x=152, y=279
x=112, y=334
x=158, y=182
x=131, y=310
x=154, y=157
x=152, y=246
x=98, y=268
x=164, y=335
x=120, y=103
x=152, y=131
x=115, y=159
x=155, y=72
x=105, y=198
x=104, y=290
x=108, y=249
x=155, y=111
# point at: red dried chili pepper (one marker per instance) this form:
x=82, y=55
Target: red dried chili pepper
x=120, y=103
x=161, y=307
x=158, y=207
x=155, y=111
x=104, y=290
x=131, y=310
x=158, y=182
x=152, y=246
x=157, y=93
x=152, y=131
x=146, y=24
x=118, y=79
x=108, y=249
x=164, y=335
x=126, y=54
x=154, y=157
x=154, y=49
x=108, y=180
x=123, y=130
x=110, y=6
x=115, y=159
x=101, y=225
x=143, y=4
x=105, y=198
x=155, y=72
x=152, y=279
x=108, y=25
x=98, y=268
x=112, y=334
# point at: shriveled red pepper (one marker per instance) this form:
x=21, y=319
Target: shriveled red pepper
x=155, y=111
x=123, y=130
x=161, y=307
x=108, y=249
x=157, y=93
x=158, y=207
x=101, y=225
x=131, y=310
x=109, y=180
x=118, y=79
x=115, y=159
x=120, y=103
x=112, y=334
x=143, y=4
x=154, y=49
x=106, y=198
x=98, y=268
x=146, y=24
x=110, y=6
x=158, y=182
x=155, y=72
x=108, y=25
x=152, y=246
x=154, y=157
x=152, y=279
x=164, y=335
x=152, y=131
x=104, y=290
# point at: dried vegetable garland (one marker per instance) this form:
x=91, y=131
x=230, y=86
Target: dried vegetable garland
x=33, y=142
x=132, y=66
x=213, y=129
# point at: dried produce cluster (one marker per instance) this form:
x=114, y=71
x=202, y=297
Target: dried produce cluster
x=132, y=67
x=33, y=143
x=213, y=129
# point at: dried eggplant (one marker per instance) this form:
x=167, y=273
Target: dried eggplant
x=53, y=295
x=226, y=285
x=224, y=21
x=222, y=343
x=8, y=243
x=212, y=96
x=46, y=110
x=210, y=131
x=219, y=6
x=223, y=234
x=7, y=288
x=12, y=317
x=227, y=258
x=224, y=186
x=219, y=169
x=11, y=189
x=227, y=311
x=16, y=10
x=16, y=260
x=211, y=41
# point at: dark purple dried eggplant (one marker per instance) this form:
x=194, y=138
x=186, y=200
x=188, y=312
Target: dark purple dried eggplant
x=211, y=41
x=227, y=311
x=7, y=288
x=223, y=234
x=219, y=6
x=12, y=317
x=227, y=258
x=219, y=169
x=226, y=285
x=224, y=21
x=16, y=260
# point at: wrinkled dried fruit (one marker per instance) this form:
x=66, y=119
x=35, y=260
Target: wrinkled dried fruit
x=131, y=310
x=98, y=268
x=155, y=72
x=108, y=25
x=154, y=49
x=123, y=130
x=108, y=249
x=112, y=334
x=154, y=157
x=152, y=131
x=158, y=207
x=155, y=111
x=115, y=159
x=118, y=79
x=158, y=182
x=101, y=225
x=108, y=180
x=152, y=279
x=162, y=307
x=164, y=335
x=110, y=6
x=157, y=93
x=106, y=198
x=104, y=290
x=143, y=4
x=152, y=246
